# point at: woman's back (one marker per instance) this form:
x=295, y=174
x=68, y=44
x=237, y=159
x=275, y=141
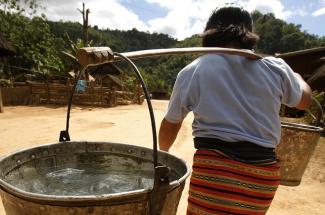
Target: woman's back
x=236, y=99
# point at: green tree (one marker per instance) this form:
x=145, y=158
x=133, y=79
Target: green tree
x=32, y=39
x=277, y=36
x=270, y=31
x=26, y=7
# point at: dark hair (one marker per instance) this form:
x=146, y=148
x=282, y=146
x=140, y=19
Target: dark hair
x=229, y=25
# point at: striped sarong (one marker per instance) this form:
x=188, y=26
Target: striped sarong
x=220, y=185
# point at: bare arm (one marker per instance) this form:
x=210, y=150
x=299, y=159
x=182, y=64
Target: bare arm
x=306, y=95
x=167, y=134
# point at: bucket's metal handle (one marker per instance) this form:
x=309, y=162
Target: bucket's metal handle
x=161, y=177
x=161, y=173
x=64, y=135
x=147, y=95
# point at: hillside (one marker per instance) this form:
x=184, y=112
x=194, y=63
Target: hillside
x=39, y=43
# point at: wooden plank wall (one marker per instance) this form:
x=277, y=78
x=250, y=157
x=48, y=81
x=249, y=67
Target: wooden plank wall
x=16, y=95
x=41, y=93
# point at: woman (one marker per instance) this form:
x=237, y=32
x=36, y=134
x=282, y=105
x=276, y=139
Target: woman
x=236, y=127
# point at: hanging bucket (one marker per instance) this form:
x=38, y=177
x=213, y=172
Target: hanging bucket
x=298, y=142
x=73, y=177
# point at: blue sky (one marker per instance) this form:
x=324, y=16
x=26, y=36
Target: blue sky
x=181, y=18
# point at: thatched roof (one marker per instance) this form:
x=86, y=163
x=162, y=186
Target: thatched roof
x=5, y=48
x=105, y=69
x=116, y=80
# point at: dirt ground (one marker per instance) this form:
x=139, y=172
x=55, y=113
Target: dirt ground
x=22, y=127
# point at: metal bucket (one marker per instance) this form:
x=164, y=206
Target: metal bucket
x=298, y=142
x=168, y=173
x=108, y=156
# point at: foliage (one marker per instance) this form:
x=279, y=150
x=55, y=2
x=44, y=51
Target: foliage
x=20, y=6
x=39, y=44
x=315, y=112
x=277, y=36
x=33, y=41
x=4, y=83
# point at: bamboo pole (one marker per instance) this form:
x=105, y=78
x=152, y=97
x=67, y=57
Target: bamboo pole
x=182, y=51
x=100, y=55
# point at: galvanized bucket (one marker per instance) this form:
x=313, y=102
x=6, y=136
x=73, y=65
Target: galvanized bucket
x=107, y=156
x=168, y=172
x=298, y=142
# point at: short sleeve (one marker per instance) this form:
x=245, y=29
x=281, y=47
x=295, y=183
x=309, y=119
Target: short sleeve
x=291, y=86
x=176, y=111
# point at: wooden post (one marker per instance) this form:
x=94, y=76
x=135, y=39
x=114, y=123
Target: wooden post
x=92, y=94
x=322, y=103
x=101, y=92
x=138, y=86
x=1, y=103
x=48, y=91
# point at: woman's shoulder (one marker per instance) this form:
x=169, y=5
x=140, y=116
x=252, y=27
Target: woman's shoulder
x=277, y=65
x=202, y=61
x=273, y=60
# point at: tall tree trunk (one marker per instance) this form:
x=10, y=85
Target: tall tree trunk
x=85, y=14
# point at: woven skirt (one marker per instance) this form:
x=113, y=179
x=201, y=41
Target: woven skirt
x=221, y=185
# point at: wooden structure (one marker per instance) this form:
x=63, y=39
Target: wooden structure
x=309, y=64
x=96, y=96
x=160, y=93
x=5, y=50
x=35, y=93
x=106, y=75
x=317, y=80
x=18, y=95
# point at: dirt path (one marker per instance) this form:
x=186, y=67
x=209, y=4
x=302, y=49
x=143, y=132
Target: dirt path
x=23, y=127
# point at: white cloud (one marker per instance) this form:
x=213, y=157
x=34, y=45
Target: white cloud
x=183, y=19
x=103, y=13
x=267, y=6
x=177, y=21
x=301, y=12
x=319, y=12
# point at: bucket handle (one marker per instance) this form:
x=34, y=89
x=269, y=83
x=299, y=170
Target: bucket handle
x=161, y=175
x=161, y=172
x=64, y=135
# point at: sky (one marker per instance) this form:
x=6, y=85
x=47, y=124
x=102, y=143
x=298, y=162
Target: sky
x=180, y=18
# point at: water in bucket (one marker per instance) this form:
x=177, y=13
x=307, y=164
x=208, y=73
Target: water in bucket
x=79, y=181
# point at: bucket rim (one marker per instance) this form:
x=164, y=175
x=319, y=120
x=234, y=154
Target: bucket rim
x=300, y=126
x=58, y=199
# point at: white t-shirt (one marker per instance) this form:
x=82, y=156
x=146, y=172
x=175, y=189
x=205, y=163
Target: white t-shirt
x=233, y=98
